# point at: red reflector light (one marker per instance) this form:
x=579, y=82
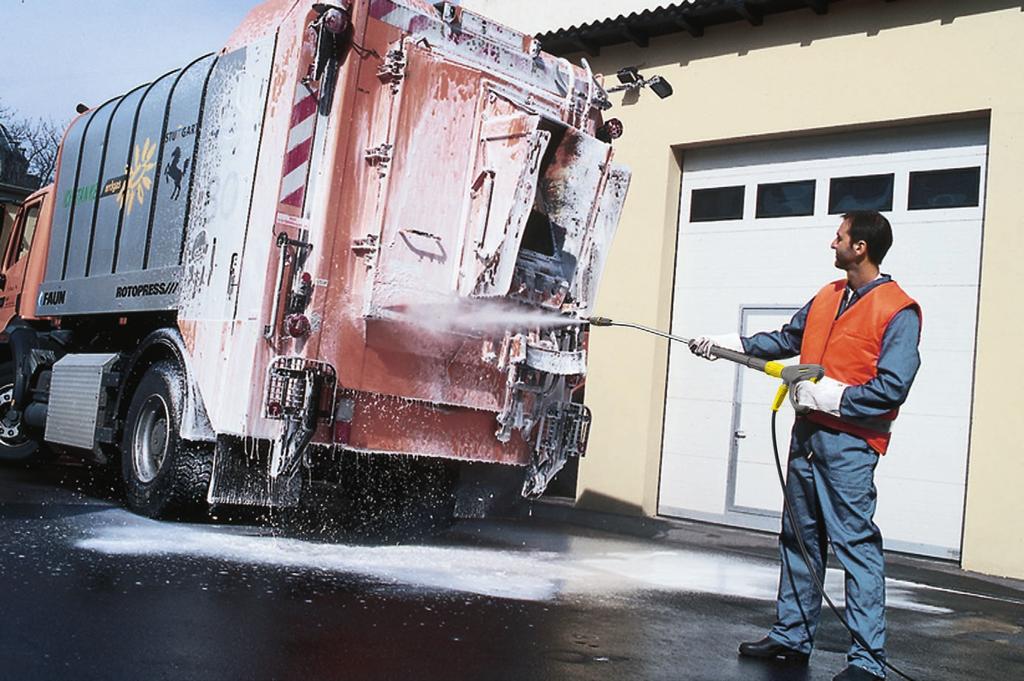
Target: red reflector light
x=307, y=279
x=336, y=19
x=274, y=409
x=611, y=130
x=342, y=432
x=298, y=325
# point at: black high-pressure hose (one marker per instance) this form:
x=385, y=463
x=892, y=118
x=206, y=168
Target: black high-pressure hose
x=740, y=358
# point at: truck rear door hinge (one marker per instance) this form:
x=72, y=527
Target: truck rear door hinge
x=366, y=247
x=380, y=156
x=392, y=71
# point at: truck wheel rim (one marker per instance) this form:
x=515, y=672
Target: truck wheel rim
x=10, y=436
x=149, y=442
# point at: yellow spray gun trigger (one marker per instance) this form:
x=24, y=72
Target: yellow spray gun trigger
x=791, y=375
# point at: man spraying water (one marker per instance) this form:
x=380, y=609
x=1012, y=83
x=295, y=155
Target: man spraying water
x=864, y=330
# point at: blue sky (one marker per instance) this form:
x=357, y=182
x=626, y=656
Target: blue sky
x=57, y=53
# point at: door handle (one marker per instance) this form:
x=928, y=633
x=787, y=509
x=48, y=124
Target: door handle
x=739, y=435
x=233, y=275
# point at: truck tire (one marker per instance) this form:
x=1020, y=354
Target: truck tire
x=15, y=445
x=164, y=476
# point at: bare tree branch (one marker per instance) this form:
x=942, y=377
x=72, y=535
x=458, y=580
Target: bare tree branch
x=38, y=140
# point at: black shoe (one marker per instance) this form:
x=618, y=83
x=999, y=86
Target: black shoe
x=770, y=649
x=855, y=673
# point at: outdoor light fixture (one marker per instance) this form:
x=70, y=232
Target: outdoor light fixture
x=632, y=81
x=628, y=75
x=660, y=86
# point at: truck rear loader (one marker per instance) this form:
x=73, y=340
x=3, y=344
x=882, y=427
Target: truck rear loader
x=359, y=233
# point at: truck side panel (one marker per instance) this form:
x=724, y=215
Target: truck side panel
x=229, y=142
x=178, y=156
x=134, y=223
x=108, y=209
x=89, y=181
x=229, y=239
x=65, y=191
x=123, y=192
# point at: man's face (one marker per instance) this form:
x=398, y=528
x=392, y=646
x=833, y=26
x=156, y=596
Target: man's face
x=847, y=253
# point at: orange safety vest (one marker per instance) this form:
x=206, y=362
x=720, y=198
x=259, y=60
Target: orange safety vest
x=849, y=347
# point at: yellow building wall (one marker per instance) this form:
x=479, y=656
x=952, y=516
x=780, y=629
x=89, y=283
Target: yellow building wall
x=864, y=64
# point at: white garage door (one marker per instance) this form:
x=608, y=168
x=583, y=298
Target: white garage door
x=756, y=222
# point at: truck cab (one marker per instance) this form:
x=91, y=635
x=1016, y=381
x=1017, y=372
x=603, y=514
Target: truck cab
x=24, y=257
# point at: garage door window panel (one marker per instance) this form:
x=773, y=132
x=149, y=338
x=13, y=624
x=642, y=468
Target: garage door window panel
x=785, y=199
x=716, y=203
x=864, y=192
x=949, y=188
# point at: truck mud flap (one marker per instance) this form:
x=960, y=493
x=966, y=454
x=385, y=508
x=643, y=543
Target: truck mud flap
x=241, y=476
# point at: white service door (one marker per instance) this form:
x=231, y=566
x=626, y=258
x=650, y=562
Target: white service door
x=753, y=478
x=756, y=222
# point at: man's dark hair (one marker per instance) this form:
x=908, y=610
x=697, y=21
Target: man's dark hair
x=872, y=228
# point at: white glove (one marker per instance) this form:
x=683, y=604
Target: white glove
x=701, y=346
x=824, y=396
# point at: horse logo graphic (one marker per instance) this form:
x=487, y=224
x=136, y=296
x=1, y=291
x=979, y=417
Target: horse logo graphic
x=176, y=172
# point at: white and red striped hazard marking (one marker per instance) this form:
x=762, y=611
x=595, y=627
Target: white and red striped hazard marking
x=300, y=148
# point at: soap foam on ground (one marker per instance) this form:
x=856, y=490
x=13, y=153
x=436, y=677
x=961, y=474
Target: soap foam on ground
x=585, y=568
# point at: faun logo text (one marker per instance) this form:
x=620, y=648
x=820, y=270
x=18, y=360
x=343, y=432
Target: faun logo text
x=54, y=298
x=160, y=288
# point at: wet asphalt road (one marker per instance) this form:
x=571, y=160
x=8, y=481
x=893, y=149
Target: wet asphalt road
x=91, y=591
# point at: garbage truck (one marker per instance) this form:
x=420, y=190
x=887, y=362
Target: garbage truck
x=361, y=232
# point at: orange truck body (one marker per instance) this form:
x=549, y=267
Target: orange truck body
x=382, y=236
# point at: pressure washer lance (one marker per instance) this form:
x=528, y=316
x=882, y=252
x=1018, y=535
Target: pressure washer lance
x=789, y=376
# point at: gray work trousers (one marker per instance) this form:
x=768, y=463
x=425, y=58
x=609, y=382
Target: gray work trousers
x=830, y=483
